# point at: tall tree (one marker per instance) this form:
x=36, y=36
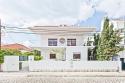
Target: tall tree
x=96, y=41
x=108, y=42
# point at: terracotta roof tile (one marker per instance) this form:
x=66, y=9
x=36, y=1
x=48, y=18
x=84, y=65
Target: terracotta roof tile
x=16, y=46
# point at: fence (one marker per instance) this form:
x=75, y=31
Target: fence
x=87, y=66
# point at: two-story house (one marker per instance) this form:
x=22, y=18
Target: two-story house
x=64, y=42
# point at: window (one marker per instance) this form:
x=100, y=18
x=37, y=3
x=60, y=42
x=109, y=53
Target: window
x=23, y=58
x=71, y=42
x=52, y=56
x=52, y=42
x=76, y=55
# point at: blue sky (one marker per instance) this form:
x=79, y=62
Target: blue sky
x=25, y=13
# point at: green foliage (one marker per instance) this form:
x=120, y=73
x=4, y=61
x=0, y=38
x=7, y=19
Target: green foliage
x=37, y=55
x=95, y=43
x=8, y=52
x=1, y=59
x=37, y=58
x=5, y=52
x=28, y=53
x=93, y=52
x=108, y=42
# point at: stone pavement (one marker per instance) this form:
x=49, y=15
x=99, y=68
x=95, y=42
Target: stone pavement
x=63, y=74
x=62, y=80
x=62, y=77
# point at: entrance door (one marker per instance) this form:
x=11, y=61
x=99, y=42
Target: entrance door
x=123, y=63
x=20, y=65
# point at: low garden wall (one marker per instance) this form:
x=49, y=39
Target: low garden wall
x=87, y=66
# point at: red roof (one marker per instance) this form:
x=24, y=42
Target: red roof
x=16, y=46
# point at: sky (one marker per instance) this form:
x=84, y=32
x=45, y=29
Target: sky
x=24, y=13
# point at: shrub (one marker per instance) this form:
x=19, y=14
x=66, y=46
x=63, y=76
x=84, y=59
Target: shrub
x=37, y=58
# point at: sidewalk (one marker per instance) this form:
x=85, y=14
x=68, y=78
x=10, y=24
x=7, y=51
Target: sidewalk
x=62, y=74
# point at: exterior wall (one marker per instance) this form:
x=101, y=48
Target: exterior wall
x=11, y=63
x=118, y=24
x=83, y=50
x=89, y=66
x=60, y=52
x=67, y=54
x=80, y=40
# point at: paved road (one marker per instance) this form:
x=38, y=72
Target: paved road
x=62, y=80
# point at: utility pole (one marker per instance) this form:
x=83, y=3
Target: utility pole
x=0, y=33
x=124, y=31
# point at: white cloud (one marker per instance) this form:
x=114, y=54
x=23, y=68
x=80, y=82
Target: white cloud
x=21, y=12
x=56, y=21
x=113, y=8
x=17, y=13
x=27, y=43
x=86, y=11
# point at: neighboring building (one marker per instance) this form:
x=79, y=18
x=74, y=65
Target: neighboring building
x=64, y=42
x=16, y=46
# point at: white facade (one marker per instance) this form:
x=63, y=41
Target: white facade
x=69, y=50
x=61, y=50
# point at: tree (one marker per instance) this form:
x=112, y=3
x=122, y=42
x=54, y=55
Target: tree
x=92, y=51
x=95, y=43
x=37, y=55
x=108, y=42
x=6, y=52
x=1, y=56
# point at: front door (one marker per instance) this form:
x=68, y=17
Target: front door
x=123, y=63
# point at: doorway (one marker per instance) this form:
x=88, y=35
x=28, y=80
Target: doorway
x=20, y=65
x=123, y=63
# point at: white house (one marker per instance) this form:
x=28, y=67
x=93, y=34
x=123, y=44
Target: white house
x=64, y=42
x=65, y=48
